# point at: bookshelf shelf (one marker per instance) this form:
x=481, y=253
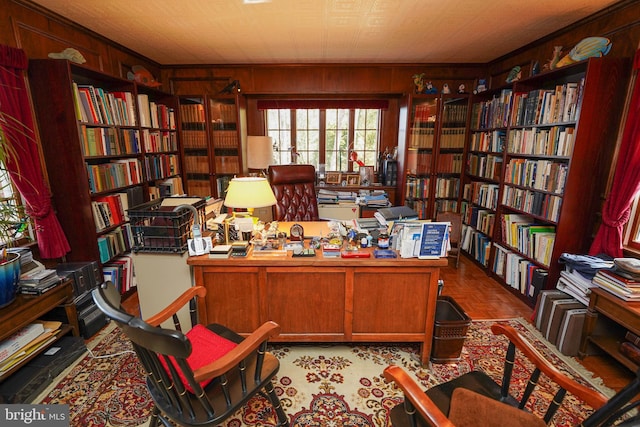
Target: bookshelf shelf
x=543, y=141
x=109, y=142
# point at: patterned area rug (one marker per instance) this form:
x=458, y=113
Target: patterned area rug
x=319, y=385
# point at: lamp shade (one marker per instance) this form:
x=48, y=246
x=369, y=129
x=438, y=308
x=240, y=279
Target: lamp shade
x=249, y=192
x=259, y=152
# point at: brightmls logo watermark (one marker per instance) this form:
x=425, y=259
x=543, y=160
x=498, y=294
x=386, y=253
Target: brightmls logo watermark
x=34, y=415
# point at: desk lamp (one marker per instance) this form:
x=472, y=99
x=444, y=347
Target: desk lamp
x=248, y=193
x=259, y=153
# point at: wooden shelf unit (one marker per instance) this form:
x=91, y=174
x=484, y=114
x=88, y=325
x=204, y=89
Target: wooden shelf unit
x=432, y=152
x=153, y=149
x=213, y=131
x=27, y=308
x=621, y=316
x=572, y=207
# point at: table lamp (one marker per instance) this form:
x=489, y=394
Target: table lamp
x=248, y=193
x=259, y=152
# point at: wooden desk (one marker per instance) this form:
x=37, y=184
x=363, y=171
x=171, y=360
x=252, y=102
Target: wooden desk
x=621, y=315
x=321, y=299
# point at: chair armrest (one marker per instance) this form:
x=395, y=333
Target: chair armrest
x=250, y=344
x=412, y=391
x=176, y=305
x=592, y=397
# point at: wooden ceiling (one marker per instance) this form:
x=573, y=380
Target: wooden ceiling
x=324, y=31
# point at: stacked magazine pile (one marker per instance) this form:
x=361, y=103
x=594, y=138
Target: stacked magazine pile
x=38, y=281
x=26, y=341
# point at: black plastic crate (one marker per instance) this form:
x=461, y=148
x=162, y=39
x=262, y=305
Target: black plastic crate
x=158, y=228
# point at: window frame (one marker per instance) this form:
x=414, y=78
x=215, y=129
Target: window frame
x=351, y=166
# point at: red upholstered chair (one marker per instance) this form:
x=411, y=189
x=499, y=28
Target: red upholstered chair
x=295, y=191
x=201, y=377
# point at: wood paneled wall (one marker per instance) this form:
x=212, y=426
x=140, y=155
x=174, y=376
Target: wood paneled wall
x=38, y=32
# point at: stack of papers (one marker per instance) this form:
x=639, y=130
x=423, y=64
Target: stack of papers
x=26, y=341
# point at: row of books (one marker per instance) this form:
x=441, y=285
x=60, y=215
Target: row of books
x=115, y=174
x=155, y=115
x=490, y=141
x=518, y=272
x=454, y=115
x=101, y=141
x=452, y=138
x=196, y=163
x=486, y=166
x=482, y=194
x=109, y=210
x=421, y=137
x=419, y=162
x=545, y=106
x=158, y=141
x=116, y=242
x=450, y=163
x=192, y=113
x=553, y=141
x=194, y=139
x=476, y=244
x=225, y=139
x=120, y=271
x=447, y=187
x=630, y=347
x=227, y=164
x=417, y=188
x=161, y=166
x=492, y=113
x=533, y=240
x=479, y=218
x=97, y=106
x=536, y=203
x=425, y=113
x=537, y=174
x=444, y=205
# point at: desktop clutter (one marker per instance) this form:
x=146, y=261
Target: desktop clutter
x=391, y=233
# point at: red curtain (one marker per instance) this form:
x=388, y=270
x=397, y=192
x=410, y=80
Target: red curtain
x=23, y=163
x=626, y=180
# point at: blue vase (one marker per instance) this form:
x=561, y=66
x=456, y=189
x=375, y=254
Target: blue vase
x=9, y=278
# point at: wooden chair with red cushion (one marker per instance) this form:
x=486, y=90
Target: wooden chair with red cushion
x=203, y=376
x=474, y=399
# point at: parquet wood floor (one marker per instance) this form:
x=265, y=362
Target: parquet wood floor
x=483, y=298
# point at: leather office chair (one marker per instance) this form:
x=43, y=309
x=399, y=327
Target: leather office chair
x=204, y=376
x=295, y=191
x=474, y=399
x=455, y=234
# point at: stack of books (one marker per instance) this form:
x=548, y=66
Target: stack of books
x=331, y=250
x=624, y=286
x=38, y=281
x=630, y=347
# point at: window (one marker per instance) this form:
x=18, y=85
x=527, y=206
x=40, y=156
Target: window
x=14, y=223
x=632, y=231
x=326, y=136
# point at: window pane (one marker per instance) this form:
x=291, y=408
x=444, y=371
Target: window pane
x=308, y=136
x=279, y=128
x=366, y=136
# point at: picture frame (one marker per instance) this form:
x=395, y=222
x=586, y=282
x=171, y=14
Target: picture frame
x=353, y=179
x=366, y=175
x=333, y=178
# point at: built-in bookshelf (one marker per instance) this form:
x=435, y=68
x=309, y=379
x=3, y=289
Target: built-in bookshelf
x=536, y=170
x=109, y=144
x=434, y=152
x=213, y=135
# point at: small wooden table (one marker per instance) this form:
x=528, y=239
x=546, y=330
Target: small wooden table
x=321, y=299
x=623, y=316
